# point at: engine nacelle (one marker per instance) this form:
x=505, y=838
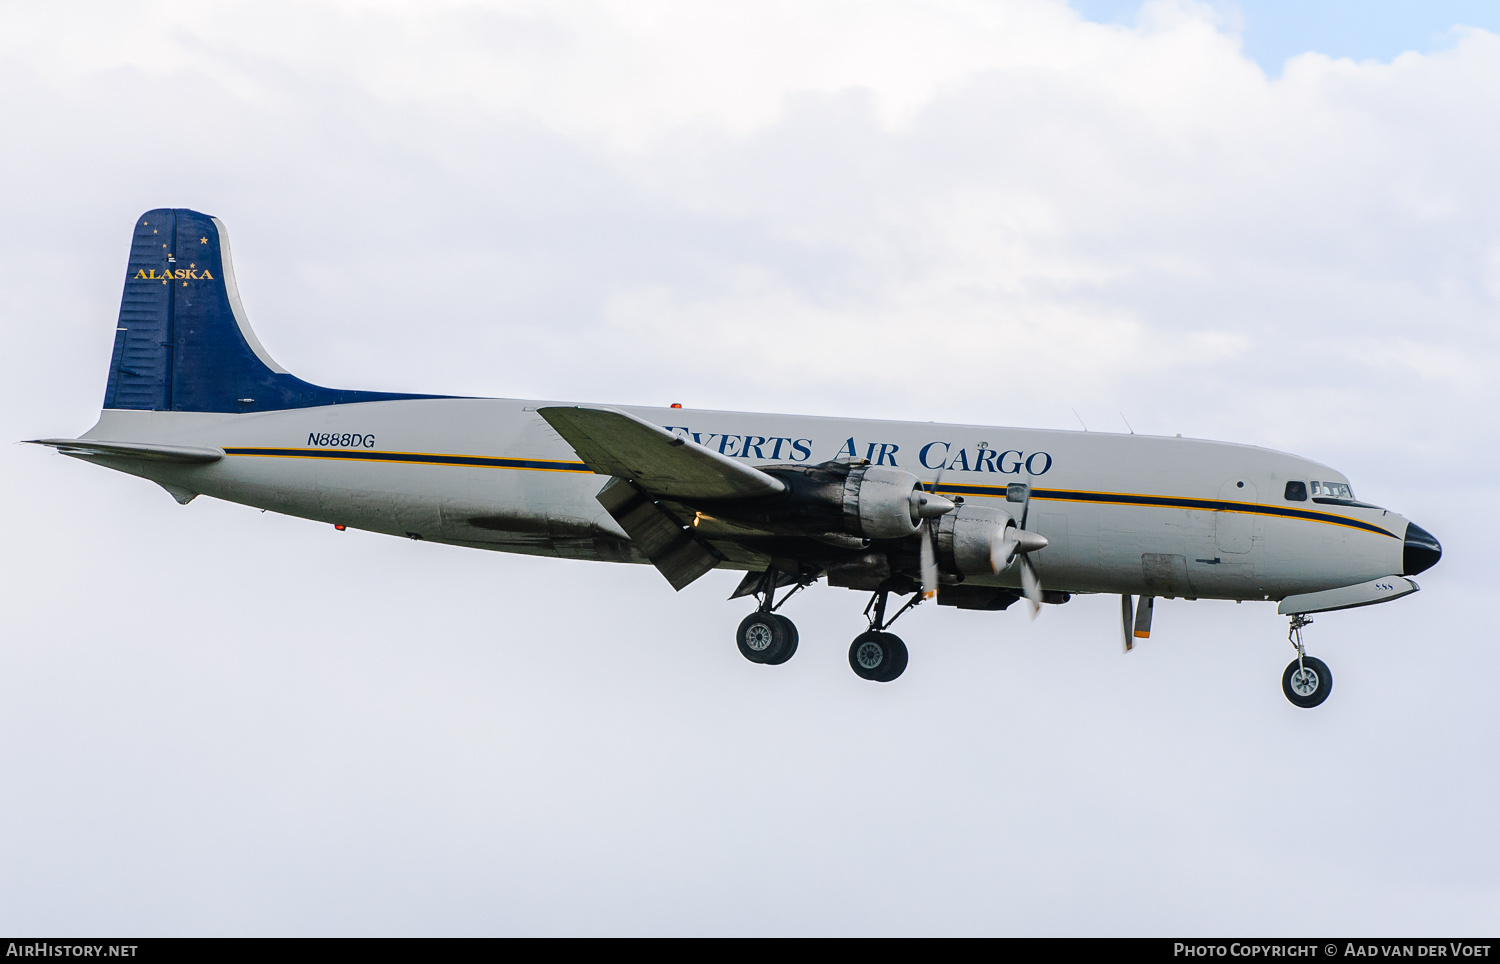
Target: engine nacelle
x=965, y=538
x=885, y=503
x=842, y=504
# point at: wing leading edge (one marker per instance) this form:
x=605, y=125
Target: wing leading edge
x=614, y=443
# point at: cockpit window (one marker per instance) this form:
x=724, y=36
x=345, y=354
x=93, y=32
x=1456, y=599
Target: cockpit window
x=1332, y=490
x=1296, y=491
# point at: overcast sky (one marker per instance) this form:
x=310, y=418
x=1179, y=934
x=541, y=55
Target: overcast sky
x=1228, y=221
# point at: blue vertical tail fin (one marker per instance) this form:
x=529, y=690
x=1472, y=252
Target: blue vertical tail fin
x=183, y=343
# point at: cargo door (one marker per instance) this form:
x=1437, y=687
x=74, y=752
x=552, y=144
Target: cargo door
x=1234, y=529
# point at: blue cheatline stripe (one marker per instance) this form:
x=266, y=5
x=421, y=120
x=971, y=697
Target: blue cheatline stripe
x=989, y=491
x=1171, y=502
x=413, y=458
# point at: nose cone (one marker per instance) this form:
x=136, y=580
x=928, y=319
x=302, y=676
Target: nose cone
x=1422, y=550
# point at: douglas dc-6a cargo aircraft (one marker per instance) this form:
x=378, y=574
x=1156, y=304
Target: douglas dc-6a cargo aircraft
x=970, y=516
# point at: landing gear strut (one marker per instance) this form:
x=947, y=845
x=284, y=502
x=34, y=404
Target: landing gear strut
x=1306, y=680
x=875, y=654
x=766, y=636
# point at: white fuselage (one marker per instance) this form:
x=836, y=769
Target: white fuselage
x=1121, y=513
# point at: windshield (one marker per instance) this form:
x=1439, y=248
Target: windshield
x=1332, y=490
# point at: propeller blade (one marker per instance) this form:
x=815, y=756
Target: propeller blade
x=1127, y=620
x=929, y=560
x=933, y=506
x=1031, y=586
x=1019, y=492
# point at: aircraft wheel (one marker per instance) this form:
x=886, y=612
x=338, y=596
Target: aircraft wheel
x=1308, y=684
x=789, y=648
x=877, y=656
x=764, y=638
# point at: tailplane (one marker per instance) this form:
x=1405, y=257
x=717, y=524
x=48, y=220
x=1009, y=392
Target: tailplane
x=183, y=343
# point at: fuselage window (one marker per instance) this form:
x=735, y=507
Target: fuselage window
x=1296, y=491
x=1332, y=490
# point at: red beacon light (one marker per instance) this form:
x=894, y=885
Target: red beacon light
x=676, y=404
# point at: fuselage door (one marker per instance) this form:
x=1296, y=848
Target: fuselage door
x=1233, y=530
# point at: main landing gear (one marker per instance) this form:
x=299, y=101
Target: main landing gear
x=876, y=654
x=765, y=636
x=1306, y=681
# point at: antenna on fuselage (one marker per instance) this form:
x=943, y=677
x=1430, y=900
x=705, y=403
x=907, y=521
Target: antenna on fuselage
x=1127, y=423
x=1080, y=419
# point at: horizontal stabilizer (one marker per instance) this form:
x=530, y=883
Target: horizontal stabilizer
x=89, y=448
x=614, y=443
x=1369, y=593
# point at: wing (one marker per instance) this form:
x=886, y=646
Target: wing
x=666, y=465
x=653, y=468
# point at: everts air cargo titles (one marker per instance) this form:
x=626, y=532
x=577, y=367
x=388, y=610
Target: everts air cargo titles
x=971, y=516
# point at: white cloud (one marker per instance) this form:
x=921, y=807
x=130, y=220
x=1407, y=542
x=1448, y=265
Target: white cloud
x=976, y=212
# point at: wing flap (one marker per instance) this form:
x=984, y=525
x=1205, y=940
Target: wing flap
x=614, y=443
x=92, y=448
x=669, y=544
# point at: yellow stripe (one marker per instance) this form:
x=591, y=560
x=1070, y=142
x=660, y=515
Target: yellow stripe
x=326, y=455
x=1269, y=515
x=1251, y=507
x=441, y=465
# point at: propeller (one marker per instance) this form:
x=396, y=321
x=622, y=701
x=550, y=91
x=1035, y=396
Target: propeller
x=1018, y=541
x=927, y=531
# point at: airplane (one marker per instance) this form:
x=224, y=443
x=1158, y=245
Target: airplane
x=968, y=516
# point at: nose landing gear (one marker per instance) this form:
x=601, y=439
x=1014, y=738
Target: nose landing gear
x=1306, y=680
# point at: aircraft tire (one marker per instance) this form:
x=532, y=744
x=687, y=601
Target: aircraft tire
x=898, y=658
x=763, y=637
x=879, y=657
x=789, y=648
x=1311, y=686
